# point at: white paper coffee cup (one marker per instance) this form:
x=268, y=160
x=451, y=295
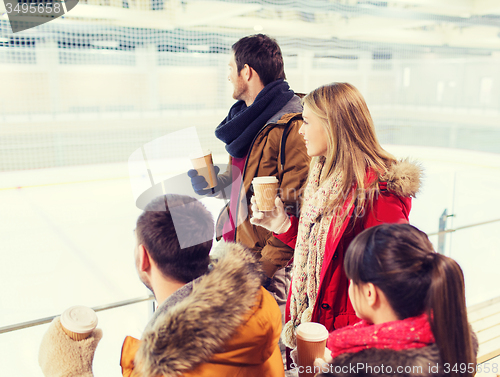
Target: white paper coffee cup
x=266, y=189
x=311, y=343
x=78, y=322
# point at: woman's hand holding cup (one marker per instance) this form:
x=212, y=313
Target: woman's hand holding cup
x=276, y=221
x=321, y=362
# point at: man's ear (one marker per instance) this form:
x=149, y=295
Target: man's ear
x=144, y=259
x=247, y=72
x=370, y=293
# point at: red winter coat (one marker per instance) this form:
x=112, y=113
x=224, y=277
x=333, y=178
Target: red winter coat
x=392, y=204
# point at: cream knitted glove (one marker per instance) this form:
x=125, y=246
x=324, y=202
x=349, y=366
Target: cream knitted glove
x=294, y=356
x=322, y=363
x=61, y=356
x=276, y=221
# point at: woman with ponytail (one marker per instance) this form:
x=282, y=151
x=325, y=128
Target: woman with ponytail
x=412, y=304
x=353, y=184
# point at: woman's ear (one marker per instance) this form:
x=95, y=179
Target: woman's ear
x=381, y=309
x=370, y=294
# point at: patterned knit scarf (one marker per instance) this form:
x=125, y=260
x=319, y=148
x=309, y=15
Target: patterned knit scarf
x=414, y=332
x=314, y=224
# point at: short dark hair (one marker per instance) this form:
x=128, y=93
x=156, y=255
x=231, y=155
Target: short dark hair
x=156, y=231
x=263, y=54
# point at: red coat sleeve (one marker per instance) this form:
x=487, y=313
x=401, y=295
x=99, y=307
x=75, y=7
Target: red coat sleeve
x=290, y=236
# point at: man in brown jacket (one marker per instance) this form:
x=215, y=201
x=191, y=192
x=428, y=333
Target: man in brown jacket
x=261, y=137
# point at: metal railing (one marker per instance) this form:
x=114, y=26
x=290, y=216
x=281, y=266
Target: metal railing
x=42, y=321
x=462, y=227
x=443, y=231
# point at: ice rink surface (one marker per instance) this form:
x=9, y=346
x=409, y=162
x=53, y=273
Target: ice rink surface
x=67, y=239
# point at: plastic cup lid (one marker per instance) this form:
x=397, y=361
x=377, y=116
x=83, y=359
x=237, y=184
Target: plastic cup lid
x=264, y=180
x=312, y=332
x=200, y=154
x=79, y=319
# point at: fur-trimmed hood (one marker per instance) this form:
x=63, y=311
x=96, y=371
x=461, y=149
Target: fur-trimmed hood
x=203, y=323
x=403, y=178
x=373, y=362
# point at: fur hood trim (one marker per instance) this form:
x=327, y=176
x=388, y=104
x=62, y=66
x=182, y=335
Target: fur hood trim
x=419, y=361
x=191, y=332
x=404, y=178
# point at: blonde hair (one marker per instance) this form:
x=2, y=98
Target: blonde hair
x=352, y=145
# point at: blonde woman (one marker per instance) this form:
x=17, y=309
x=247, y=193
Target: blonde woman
x=353, y=184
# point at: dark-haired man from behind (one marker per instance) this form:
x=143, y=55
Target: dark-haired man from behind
x=215, y=321
x=261, y=137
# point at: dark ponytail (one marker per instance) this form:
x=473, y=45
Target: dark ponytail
x=400, y=260
x=448, y=316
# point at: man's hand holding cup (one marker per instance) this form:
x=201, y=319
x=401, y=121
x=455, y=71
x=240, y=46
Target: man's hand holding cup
x=200, y=184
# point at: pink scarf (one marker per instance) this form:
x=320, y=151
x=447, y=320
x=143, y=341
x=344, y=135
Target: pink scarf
x=414, y=332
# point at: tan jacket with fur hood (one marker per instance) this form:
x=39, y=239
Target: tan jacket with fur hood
x=222, y=324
